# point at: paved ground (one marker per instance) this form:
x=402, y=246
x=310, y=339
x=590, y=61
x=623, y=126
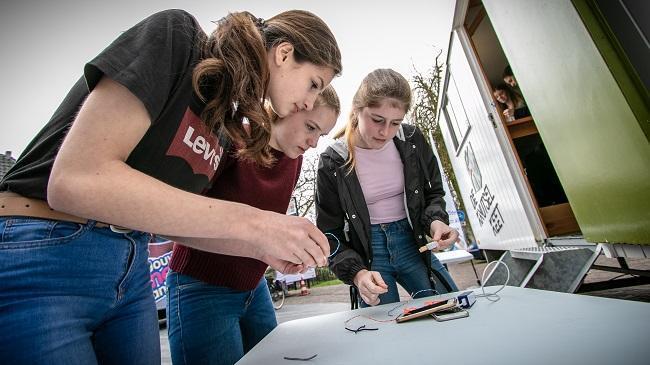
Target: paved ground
x=336, y=298
x=465, y=278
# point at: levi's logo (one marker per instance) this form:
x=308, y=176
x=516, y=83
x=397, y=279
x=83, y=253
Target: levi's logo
x=194, y=144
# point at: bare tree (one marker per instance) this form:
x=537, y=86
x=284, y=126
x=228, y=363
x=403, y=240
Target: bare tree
x=425, y=116
x=427, y=95
x=306, y=185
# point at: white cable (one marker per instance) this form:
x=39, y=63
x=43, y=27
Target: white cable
x=337, y=246
x=488, y=296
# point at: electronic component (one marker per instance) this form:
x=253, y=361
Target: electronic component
x=429, y=246
x=466, y=299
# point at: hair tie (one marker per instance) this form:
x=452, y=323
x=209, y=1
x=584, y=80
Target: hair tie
x=259, y=23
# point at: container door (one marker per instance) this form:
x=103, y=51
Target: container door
x=497, y=213
x=593, y=129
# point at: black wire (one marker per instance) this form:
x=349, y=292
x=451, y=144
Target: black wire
x=300, y=358
x=362, y=328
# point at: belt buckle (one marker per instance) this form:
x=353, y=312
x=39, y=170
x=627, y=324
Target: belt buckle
x=118, y=229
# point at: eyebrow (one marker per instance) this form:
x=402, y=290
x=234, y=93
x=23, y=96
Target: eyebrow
x=384, y=118
x=322, y=83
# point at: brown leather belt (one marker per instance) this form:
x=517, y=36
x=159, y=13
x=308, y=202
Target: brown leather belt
x=12, y=204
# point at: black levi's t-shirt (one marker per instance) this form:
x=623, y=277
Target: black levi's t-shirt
x=154, y=60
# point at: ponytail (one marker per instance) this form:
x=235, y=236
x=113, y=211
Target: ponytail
x=233, y=76
x=232, y=80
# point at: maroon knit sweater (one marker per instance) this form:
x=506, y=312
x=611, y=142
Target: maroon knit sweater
x=243, y=182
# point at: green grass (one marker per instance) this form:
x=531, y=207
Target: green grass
x=326, y=283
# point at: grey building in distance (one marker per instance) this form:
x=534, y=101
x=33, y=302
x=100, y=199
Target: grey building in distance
x=6, y=162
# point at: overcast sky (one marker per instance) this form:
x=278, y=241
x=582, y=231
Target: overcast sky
x=44, y=44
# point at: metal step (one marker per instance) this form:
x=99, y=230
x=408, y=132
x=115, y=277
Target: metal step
x=550, y=268
x=533, y=253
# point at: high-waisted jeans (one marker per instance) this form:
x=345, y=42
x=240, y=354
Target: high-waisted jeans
x=216, y=325
x=396, y=257
x=75, y=294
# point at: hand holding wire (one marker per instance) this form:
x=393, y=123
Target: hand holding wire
x=370, y=285
x=444, y=235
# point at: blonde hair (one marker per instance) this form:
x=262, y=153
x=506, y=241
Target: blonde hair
x=376, y=87
x=330, y=99
x=234, y=69
x=327, y=97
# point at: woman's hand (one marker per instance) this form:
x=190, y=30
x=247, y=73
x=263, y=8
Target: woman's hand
x=293, y=240
x=283, y=266
x=370, y=285
x=509, y=114
x=443, y=234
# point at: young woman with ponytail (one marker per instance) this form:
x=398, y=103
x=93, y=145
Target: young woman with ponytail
x=133, y=148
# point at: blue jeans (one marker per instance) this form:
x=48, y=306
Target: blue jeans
x=75, y=294
x=441, y=274
x=211, y=324
x=395, y=256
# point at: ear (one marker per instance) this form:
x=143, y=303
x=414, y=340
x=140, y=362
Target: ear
x=282, y=53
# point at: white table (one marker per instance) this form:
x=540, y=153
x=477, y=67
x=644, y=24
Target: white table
x=527, y=326
x=453, y=257
x=456, y=257
x=292, y=278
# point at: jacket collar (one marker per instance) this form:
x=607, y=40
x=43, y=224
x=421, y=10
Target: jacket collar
x=340, y=146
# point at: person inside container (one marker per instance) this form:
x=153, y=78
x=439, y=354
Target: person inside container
x=512, y=104
x=509, y=78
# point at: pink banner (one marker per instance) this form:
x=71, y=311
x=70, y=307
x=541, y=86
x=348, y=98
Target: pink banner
x=160, y=253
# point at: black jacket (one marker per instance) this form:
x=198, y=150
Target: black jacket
x=341, y=207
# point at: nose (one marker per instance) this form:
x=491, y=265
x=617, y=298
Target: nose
x=310, y=101
x=312, y=142
x=384, y=129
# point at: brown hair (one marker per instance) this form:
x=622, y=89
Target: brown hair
x=507, y=72
x=380, y=84
x=233, y=76
x=517, y=100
